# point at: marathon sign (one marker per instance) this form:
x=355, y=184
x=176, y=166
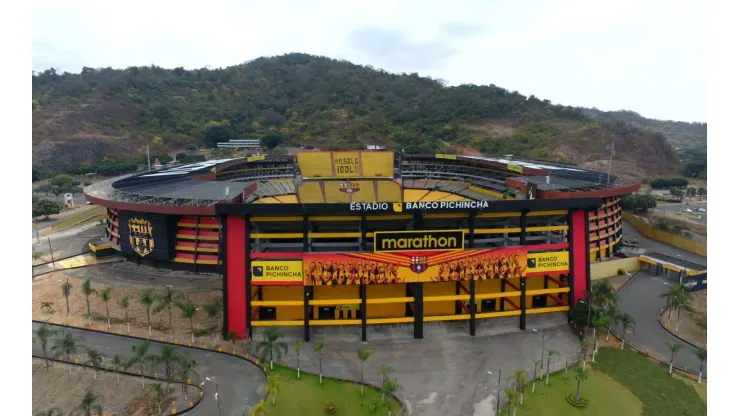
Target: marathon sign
x=414, y=241
x=277, y=272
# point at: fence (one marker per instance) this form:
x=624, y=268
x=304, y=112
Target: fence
x=665, y=237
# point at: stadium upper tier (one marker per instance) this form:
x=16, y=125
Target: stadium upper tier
x=347, y=176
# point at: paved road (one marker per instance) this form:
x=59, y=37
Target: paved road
x=241, y=384
x=641, y=299
x=654, y=246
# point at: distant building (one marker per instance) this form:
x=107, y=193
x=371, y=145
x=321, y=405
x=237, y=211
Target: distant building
x=240, y=144
x=375, y=147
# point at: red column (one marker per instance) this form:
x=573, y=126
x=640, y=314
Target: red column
x=581, y=259
x=236, y=283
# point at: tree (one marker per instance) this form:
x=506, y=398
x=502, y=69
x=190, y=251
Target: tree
x=673, y=348
x=165, y=301
x=231, y=336
x=297, y=349
x=674, y=292
x=273, y=385
x=581, y=375
x=390, y=386
x=141, y=357
x=169, y=357
x=88, y=291
x=44, y=334
x=259, y=409
x=271, y=345
x=520, y=379
x=600, y=325
x=584, y=351
x=213, y=309
x=279, y=151
x=190, y=148
x=384, y=372
x=537, y=363
x=47, y=307
x=702, y=192
x=94, y=360
x=45, y=207
x=218, y=134
x=66, y=291
x=550, y=354
x=105, y=295
x=682, y=302
x=66, y=345
x=147, y=298
x=185, y=366
x=118, y=363
x=363, y=354
x=90, y=405
x=677, y=193
x=701, y=354
x=627, y=322
x=189, y=310
x=319, y=348
x=123, y=302
x=511, y=396
x=159, y=394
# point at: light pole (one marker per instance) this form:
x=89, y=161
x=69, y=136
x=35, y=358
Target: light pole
x=542, y=359
x=498, y=390
x=53, y=265
x=611, y=157
x=213, y=380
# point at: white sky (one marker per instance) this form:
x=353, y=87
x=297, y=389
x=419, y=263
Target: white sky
x=646, y=56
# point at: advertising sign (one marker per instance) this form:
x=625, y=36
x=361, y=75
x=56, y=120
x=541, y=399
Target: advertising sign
x=548, y=262
x=443, y=156
x=277, y=272
x=255, y=158
x=141, y=236
x=514, y=167
x=346, y=164
x=424, y=240
x=381, y=268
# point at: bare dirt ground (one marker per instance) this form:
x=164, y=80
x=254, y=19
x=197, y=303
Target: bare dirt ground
x=58, y=388
x=688, y=326
x=47, y=288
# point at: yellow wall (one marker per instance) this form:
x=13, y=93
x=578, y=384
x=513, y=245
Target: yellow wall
x=604, y=269
x=333, y=194
x=310, y=193
x=439, y=308
x=389, y=191
x=366, y=193
x=386, y=310
x=285, y=313
x=665, y=237
x=377, y=164
x=314, y=164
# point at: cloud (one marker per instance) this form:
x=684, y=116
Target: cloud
x=392, y=49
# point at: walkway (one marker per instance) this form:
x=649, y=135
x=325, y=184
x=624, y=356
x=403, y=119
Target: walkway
x=241, y=384
x=640, y=297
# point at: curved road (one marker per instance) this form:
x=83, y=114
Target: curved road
x=640, y=297
x=241, y=384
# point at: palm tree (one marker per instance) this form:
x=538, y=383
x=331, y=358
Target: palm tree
x=105, y=295
x=51, y=412
x=212, y=310
x=319, y=348
x=390, y=386
x=674, y=348
x=185, y=366
x=520, y=379
x=117, y=363
x=88, y=291
x=44, y=334
x=511, y=395
x=231, y=336
x=67, y=345
x=550, y=354
x=584, y=348
x=141, y=357
x=273, y=385
x=90, y=405
x=189, y=310
x=363, y=354
x=384, y=371
x=674, y=292
x=47, y=307
x=147, y=299
x=66, y=291
x=165, y=301
x=604, y=295
x=627, y=322
x=258, y=409
x=124, y=303
x=581, y=375
x=537, y=363
x=271, y=345
x=599, y=327
x=94, y=359
x=169, y=356
x=159, y=394
x=682, y=302
x=297, y=348
x=701, y=354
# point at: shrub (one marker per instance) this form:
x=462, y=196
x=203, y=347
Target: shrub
x=621, y=272
x=571, y=398
x=330, y=408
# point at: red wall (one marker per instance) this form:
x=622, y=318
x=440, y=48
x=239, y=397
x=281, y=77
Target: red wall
x=236, y=284
x=581, y=258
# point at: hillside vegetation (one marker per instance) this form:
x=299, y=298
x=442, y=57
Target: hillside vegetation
x=298, y=99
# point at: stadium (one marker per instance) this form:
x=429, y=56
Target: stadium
x=369, y=238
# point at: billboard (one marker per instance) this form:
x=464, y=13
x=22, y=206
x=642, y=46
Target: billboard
x=548, y=262
x=423, y=240
x=412, y=267
x=346, y=164
x=277, y=272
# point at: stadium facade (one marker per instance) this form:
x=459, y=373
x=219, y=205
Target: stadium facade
x=372, y=237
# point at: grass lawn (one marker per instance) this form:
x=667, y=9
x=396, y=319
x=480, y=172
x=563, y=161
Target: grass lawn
x=659, y=392
x=306, y=397
x=605, y=397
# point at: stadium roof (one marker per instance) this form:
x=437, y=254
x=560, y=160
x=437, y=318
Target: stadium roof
x=684, y=264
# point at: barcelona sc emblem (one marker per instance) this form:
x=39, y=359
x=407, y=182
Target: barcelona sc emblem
x=140, y=236
x=418, y=264
x=349, y=187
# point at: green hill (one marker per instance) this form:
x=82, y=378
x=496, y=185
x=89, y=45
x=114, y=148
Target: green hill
x=298, y=99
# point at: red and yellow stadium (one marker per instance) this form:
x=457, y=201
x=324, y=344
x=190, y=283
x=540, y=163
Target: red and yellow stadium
x=372, y=238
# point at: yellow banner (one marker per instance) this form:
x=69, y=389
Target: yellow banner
x=273, y=272
x=346, y=164
x=514, y=167
x=255, y=158
x=548, y=262
x=443, y=156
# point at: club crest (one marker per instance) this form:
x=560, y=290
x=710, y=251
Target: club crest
x=418, y=264
x=140, y=236
x=349, y=187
